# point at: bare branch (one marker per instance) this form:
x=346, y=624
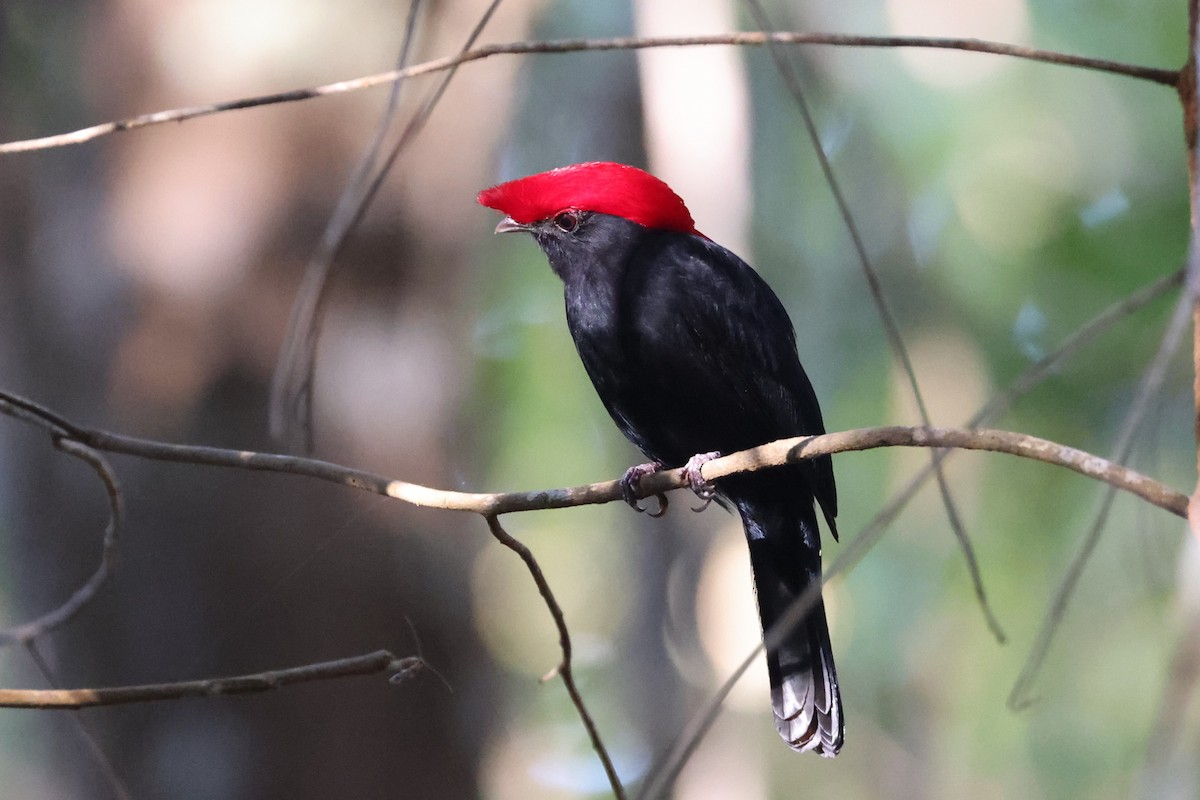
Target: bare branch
x=47, y=622
x=564, y=669
x=1165, y=77
x=291, y=384
x=379, y=661
x=784, y=451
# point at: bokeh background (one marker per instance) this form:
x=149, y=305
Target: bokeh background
x=145, y=282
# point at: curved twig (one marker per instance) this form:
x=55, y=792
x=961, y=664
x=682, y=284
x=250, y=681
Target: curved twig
x=291, y=405
x=23, y=634
x=1165, y=77
x=291, y=384
x=564, y=669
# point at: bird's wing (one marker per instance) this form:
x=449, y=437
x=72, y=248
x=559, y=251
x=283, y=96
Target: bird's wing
x=724, y=352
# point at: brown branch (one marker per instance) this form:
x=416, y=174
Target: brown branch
x=29, y=631
x=784, y=451
x=659, y=783
x=564, y=669
x=379, y=661
x=1166, y=77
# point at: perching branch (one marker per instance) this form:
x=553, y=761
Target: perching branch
x=370, y=663
x=491, y=505
x=784, y=451
x=1165, y=77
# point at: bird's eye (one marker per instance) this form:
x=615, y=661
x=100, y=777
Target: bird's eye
x=566, y=221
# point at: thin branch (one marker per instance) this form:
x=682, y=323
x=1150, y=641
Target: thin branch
x=1072, y=344
x=891, y=326
x=1165, y=77
x=291, y=385
x=1151, y=383
x=370, y=663
x=564, y=669
x=664, y=776
x=784, y=451
x=28, y=632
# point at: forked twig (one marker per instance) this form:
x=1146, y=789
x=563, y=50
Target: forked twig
x=29, y=631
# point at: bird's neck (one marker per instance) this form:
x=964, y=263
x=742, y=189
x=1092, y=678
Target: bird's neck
x=593, y=302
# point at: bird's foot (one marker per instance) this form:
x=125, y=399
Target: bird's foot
x=705, y=490
x=629, y=487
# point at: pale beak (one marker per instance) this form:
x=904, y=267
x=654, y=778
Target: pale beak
x=508, y=225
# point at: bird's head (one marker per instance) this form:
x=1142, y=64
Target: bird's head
x=572, y=207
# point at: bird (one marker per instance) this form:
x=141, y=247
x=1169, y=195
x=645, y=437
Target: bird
x=693, y=356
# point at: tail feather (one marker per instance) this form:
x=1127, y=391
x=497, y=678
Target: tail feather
x=786, y=559
x=804, y=694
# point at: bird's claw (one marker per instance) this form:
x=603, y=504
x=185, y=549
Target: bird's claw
x=703, y=489
x=629, y=485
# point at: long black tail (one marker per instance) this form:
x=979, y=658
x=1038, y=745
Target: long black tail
x=785, y=555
